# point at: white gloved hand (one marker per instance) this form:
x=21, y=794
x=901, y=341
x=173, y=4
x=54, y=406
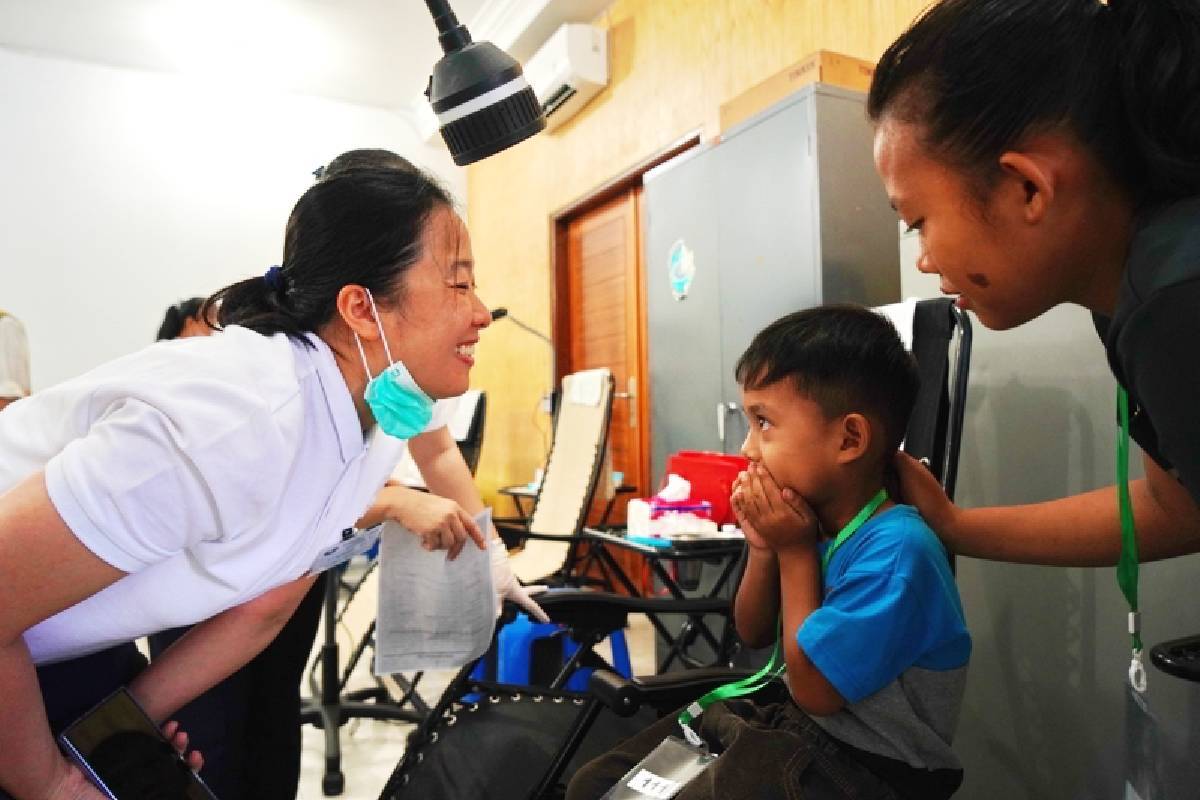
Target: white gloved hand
x=508, y=587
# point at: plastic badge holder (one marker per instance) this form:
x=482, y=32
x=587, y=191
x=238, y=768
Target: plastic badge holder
x=663, y=773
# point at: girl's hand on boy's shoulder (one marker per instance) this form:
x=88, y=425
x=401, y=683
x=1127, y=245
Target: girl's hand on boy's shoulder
x=772, y=517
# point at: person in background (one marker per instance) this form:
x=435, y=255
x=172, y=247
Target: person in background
x=14, y=360
x=184, y=320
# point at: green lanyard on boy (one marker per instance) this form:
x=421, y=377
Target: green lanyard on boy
x=1127, y=566
x=777, y=664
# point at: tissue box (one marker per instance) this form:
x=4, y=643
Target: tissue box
x=655, y=517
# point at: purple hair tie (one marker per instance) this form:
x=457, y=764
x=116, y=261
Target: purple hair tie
x=274, y=278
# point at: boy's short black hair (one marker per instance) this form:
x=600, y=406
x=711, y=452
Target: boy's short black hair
x=844, y=358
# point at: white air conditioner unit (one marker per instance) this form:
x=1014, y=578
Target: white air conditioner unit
x=568, y=70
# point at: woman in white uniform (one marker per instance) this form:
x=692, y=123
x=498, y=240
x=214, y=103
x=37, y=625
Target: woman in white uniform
x=248, y=726
x=204, y=481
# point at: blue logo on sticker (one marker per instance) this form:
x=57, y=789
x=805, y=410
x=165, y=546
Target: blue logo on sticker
x=681, y=269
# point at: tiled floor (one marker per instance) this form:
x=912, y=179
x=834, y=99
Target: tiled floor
x=371, y=749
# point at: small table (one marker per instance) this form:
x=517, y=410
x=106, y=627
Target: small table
x=724, y=547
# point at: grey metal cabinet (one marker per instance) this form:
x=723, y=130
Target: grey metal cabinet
x=785, y=213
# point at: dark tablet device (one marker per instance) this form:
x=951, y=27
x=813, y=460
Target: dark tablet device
x=125, y=754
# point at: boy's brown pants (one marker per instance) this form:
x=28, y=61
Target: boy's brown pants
x=767, y=752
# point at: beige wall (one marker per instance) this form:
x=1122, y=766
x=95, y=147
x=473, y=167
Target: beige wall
x=672, y=64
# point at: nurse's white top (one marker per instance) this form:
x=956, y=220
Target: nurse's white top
x=211, y=469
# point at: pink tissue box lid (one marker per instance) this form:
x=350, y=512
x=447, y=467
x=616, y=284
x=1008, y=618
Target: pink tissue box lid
x=660, y=507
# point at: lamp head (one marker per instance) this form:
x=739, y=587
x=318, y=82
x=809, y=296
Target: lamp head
x=478, y=92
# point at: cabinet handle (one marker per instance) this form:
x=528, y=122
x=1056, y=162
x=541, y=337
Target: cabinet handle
x=723, y=408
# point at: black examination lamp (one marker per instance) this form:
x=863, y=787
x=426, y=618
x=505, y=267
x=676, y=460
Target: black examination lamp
x=478, y=92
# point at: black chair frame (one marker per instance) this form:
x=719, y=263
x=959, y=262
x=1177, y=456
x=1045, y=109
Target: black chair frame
x=514, y=532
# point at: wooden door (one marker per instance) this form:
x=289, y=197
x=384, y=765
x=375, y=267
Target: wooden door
x=604, y=320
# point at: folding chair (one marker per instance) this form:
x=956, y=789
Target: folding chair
x=549, y=542
x=514, y=744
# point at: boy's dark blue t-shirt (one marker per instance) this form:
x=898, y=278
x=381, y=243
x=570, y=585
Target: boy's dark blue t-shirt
x=891, y=637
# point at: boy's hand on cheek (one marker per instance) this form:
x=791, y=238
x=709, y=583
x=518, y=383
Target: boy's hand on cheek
x=753, y=538
x=779, y=518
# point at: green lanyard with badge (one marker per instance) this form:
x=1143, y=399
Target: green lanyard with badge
x=1127, y=565
x=1146, y=768
x=667, y=769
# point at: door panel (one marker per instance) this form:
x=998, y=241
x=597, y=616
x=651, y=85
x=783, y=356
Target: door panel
x=604, y=287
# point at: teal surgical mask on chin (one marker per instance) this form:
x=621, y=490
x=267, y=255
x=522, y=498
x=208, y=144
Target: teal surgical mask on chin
x=400, y=407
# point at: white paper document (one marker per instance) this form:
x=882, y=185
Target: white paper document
x=433, y=613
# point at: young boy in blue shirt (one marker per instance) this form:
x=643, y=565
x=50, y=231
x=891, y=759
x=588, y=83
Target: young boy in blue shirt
x=874, y=637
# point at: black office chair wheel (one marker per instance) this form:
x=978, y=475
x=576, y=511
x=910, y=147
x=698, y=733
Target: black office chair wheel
x=1178, y=657
x=333, y=784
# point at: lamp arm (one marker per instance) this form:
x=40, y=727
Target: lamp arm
x=452, y=35
x=529, y=328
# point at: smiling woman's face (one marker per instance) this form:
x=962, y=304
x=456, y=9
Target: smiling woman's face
x=433, y=325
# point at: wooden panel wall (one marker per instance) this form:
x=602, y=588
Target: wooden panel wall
x=672, y=63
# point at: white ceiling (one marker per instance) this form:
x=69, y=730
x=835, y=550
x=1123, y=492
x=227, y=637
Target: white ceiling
x=371, y=52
